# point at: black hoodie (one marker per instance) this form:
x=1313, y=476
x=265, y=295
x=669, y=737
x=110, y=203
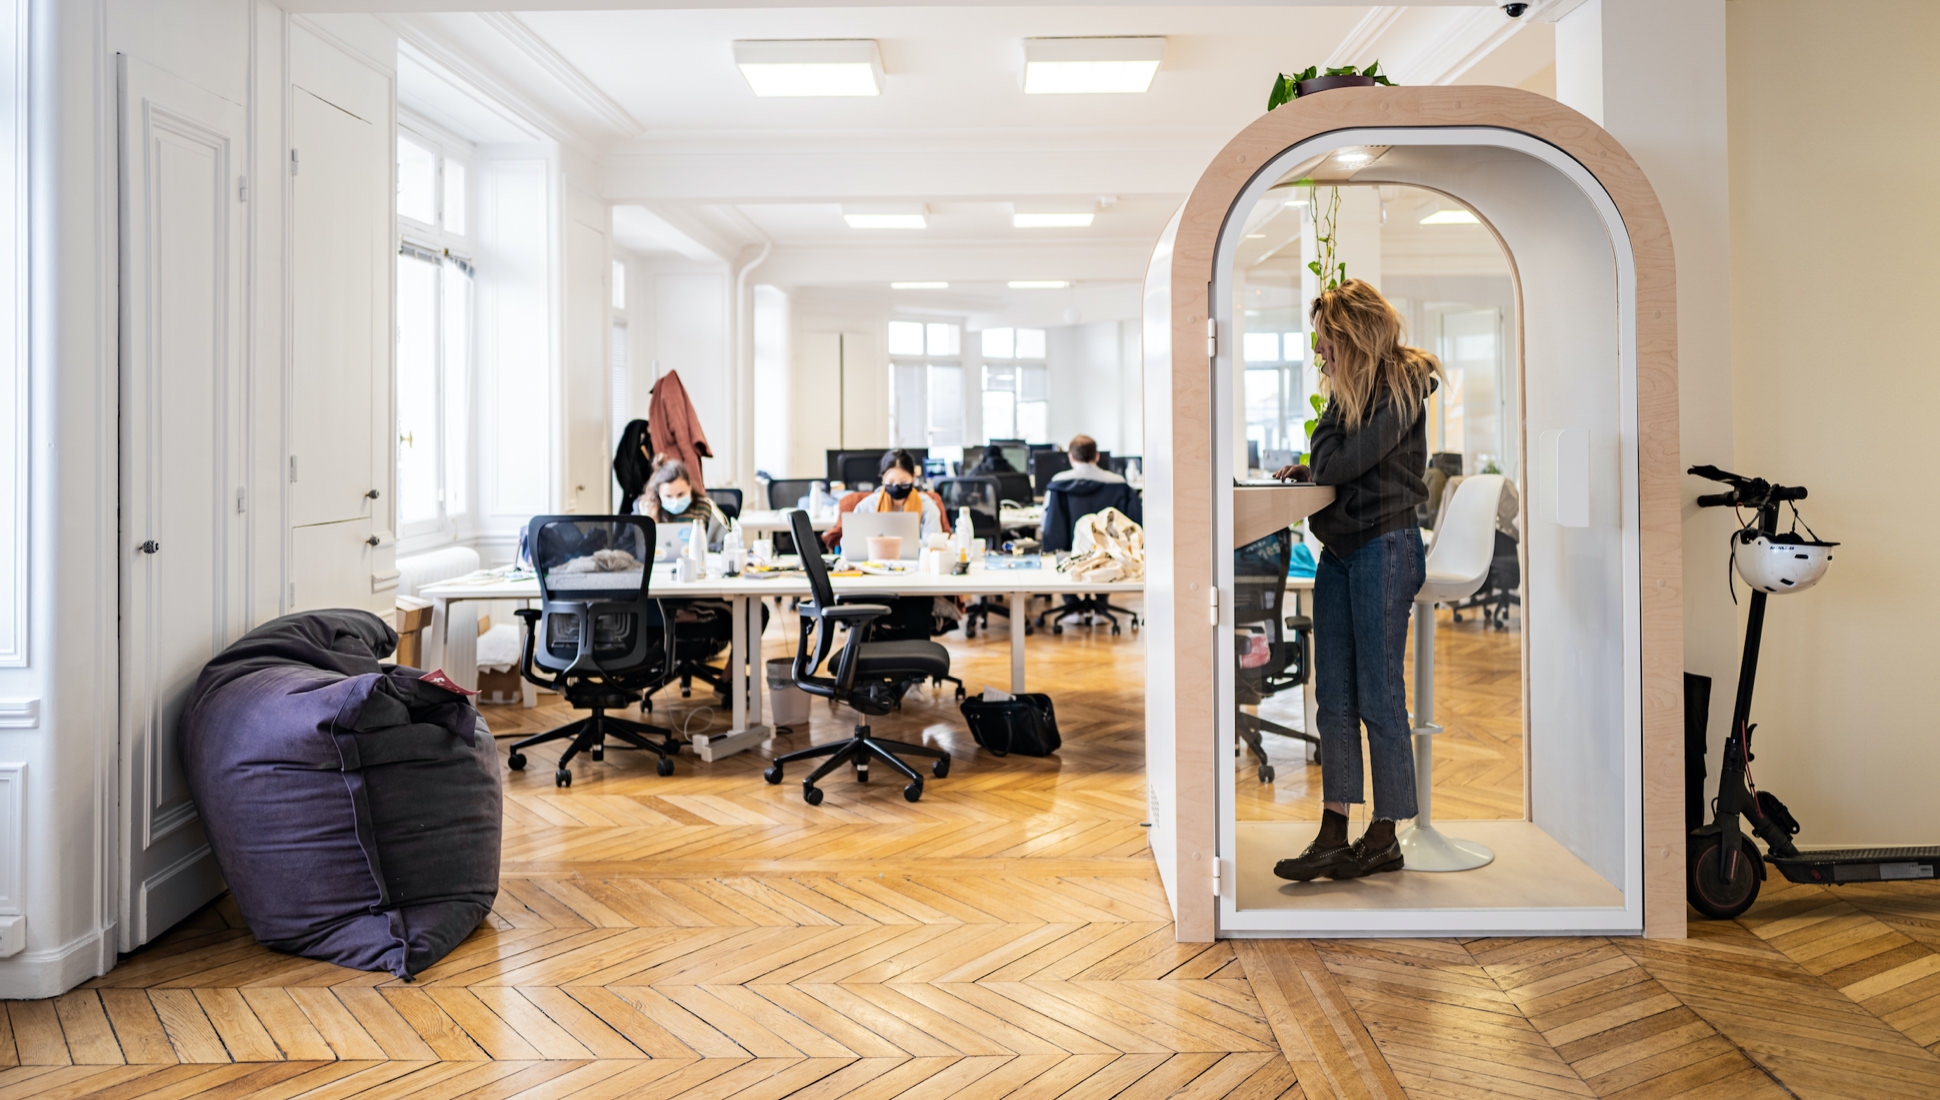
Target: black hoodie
x=1376, y=471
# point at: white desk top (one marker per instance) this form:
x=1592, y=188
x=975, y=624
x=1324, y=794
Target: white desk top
x=978, y=582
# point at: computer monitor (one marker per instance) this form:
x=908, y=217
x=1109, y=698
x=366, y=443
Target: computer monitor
x=1046, y=465
x=1011, y=456
x=1252, y=454
x=859, y=527
x=855, y=466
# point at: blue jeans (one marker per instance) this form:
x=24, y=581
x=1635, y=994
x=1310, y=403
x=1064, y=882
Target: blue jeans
x=1361, y=606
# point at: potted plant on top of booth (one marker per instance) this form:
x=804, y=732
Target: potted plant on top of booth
x=1287, y=88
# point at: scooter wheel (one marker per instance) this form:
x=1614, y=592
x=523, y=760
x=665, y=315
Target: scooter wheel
x=665, y=767
x=1720, y=892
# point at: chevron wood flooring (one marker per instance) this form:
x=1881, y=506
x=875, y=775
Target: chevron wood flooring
x=707, y=935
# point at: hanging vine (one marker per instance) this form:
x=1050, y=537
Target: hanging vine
x=1331, y=272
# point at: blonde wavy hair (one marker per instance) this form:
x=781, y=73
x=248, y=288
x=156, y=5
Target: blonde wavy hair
x=1369, y=357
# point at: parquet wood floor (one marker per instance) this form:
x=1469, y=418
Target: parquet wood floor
x=707, y=935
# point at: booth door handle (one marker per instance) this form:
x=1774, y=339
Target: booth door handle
x=150, y=547
x=372, y=541
x=371, y=495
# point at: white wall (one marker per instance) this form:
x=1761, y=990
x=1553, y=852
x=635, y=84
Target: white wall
x=1830, y=288
x=1094, y=384
x=773, y=386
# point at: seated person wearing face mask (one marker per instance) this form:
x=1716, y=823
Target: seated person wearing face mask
x=671, y=497
x=898, y=494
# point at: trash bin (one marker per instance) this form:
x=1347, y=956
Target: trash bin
x=787, y=704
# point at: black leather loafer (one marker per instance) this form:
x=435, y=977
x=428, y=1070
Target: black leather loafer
x=1360, y=861
x=1319, y=859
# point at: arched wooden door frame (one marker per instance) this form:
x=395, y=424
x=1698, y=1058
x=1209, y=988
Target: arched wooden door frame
x=1187, y=434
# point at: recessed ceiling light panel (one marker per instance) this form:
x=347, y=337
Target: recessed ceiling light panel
x=919, y=286
x=1451, y=217
x=810, y=67
x=1091, y=66
x=886, y=216
x=1050, y=221
x=1038, y=284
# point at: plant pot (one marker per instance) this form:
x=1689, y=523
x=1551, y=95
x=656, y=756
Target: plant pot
x=1329, y=83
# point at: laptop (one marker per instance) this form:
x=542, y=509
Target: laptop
x=670, y=540
x=859, y=527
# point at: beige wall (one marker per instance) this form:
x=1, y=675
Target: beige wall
x=1835, y=233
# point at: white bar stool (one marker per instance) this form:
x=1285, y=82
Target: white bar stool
x=1458, y=563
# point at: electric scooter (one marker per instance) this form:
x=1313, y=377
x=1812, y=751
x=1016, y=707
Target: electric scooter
x=1724, y=867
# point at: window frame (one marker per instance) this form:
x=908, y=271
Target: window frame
x=1018, y=366
x=452, y=253
x=928, y=363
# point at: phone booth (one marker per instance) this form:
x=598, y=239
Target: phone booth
x=1599, y=845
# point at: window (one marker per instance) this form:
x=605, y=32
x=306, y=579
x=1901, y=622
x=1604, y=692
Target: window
x=1276, y=407
x=435, y=281
x=1016, y=385
x=926, y=365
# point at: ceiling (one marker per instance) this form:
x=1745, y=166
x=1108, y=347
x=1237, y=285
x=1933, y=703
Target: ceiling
x=702, y=168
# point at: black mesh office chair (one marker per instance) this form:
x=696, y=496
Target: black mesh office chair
x=1014, y=488
x=870, y=677
x=728, y=501
x=596, y=638
x=860, y=471
x=981, y=496
x=1260, y=600
x=783, y=494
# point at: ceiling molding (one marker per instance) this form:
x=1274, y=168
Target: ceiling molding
x=1474, y=37
x=555, y=65
x=1362, y=43
x=433, y=51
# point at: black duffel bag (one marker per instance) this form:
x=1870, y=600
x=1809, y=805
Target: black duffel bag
x=1022, y=724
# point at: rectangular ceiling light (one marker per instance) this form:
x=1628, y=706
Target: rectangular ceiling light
x=1091, y=66
x=810, y=67
x=1050, y=221
x=1037, y=284
x=889, y=216
x=1450, y=217
x=919, y=286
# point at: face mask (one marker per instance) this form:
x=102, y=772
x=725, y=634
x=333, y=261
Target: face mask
x=674, y=506
x=899, y=491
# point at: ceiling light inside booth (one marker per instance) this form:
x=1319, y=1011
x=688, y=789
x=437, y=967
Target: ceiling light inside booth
x=1091, y=66
x=1441, y=211
x=1038, y=284
x=919, y=286
x=810, y=67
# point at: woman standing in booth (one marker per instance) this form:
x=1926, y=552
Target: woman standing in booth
x=1371, y=445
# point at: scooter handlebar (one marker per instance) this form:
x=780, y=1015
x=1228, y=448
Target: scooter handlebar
x=1717, y=500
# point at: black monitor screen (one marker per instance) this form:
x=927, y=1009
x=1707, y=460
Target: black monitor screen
x=1046, y=465
x=997, y=458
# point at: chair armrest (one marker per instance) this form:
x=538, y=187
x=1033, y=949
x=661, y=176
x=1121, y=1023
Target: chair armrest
x=846, y=611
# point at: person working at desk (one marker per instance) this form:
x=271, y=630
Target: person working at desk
x=1081, y=490
x=898, y=493
x=671, y=497
x=1371, y=444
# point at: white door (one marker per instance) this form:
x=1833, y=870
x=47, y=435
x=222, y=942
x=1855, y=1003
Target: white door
x=334, y=371
x=182, y=569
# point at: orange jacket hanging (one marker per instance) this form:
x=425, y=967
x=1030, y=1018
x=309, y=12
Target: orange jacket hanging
x=676, y=428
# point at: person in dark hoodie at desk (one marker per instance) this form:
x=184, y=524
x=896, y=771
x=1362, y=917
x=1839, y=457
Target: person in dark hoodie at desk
x=1081, y=490
x=1371, y=445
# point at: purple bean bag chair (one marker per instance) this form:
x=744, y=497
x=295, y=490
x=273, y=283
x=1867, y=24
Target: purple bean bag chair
x=354, y=807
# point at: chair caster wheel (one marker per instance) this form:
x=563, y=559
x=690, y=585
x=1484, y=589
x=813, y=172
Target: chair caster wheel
x=686, y=693
x=913, y=792
x=516, y=761
x=969, y=631
x=1115, y=631
x=665, y=766
x=960, y=695
x=1135, y=626
x=941, y=768
x=1057, y=628
x=599, y=754
x=1266, y=773
x=773, y=774
x=812, y=795
x=562, y=778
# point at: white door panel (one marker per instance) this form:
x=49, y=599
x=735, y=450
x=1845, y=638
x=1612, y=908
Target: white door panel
x=182, y=595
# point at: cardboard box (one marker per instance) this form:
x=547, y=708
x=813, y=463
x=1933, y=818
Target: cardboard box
x=412, y=619
x=499, y=688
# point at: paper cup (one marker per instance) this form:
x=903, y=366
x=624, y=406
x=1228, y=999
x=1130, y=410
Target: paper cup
x=885, y=547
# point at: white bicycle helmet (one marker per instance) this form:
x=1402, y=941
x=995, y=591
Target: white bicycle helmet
x=1782, y=563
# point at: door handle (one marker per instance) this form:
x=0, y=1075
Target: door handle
x=371, y=495
x=150, y=547
x=372, y=541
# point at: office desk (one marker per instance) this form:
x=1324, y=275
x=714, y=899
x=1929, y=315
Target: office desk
x=745, y=595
